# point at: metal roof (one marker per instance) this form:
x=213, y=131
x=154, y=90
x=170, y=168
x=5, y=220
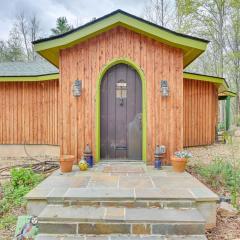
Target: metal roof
x=36, y=68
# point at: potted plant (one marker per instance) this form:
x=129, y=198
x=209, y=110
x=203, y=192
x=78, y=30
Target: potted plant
x=66, y=163
x=179, y=160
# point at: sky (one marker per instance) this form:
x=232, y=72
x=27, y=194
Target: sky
x=77, y=12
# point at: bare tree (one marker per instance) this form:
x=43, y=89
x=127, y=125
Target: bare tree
x=159, y=12
x=22, y=27
x=29, y=30
x=34, y=31
x=233, y=56
x=14, y=50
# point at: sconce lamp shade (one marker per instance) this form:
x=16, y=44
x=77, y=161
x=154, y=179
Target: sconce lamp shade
x=162, y=149
x=164, y=88
x=77, y=88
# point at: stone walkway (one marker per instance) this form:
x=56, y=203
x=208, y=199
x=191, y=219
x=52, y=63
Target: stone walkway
x=123, y=180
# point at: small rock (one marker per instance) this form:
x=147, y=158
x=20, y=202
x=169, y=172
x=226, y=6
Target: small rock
x=227, y=210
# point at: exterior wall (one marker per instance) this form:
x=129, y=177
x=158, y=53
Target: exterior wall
x=47, y=113
x=200, y=112
x=10, y=153
x=77, y=116
x=29, y=112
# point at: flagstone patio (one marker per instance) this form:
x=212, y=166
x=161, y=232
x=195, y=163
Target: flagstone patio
x=123, y=192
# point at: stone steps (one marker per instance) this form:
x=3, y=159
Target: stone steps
x=118, y=198
x=127, y=221
x=118, y=237
x=122, y=202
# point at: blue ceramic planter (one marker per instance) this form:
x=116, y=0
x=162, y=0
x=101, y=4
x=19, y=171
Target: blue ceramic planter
x=158, y=164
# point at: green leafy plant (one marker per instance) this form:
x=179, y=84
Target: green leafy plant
x=22, y=181
x=7, y=221
x=183, y=154
x=221, y=126
x=24, y=177
x=222, y=173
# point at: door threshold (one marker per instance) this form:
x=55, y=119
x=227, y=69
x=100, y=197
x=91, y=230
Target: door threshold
x=121, y=161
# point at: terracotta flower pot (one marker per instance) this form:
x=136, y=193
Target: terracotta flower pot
x=179, y=164
x=66, y=163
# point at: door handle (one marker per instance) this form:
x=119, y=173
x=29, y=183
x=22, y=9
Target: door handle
x=121, y=148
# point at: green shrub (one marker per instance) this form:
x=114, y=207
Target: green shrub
x=222, y=173
x=22, y=181
x=7, y=221
x=24, y=177
x=221, y=126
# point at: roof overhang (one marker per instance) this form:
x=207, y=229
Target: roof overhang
x=223, y=88
x=32, y=78
x=224, y=95
x=50, y=48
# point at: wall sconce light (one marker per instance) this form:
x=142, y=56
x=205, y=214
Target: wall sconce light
x=164, y=88
x=77, y=88
x=162, y=149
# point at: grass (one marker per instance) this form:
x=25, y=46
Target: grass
x=22, y=181
x=7, y=221
x=222, y=174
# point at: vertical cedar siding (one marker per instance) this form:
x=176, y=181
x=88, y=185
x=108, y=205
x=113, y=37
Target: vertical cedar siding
x=200, y=112
x=157, y=61
x=29, y=112
x=47, y=113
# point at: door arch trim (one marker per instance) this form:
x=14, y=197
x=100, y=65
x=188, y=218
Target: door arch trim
x=107, y=66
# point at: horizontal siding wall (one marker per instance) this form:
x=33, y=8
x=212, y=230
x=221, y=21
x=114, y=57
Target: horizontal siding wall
x=200, y=112
x=157, y=61
x=29, y=112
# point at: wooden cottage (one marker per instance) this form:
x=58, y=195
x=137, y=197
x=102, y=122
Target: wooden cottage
x=119, y=85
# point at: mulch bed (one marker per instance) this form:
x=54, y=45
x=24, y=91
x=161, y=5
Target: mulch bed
x=8, y=233
x=226, y=229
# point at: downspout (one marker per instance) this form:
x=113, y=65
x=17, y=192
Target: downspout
x=227, y=109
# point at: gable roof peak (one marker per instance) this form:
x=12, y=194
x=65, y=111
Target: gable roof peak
x=50, y=47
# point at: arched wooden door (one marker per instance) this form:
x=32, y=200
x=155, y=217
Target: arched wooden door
x=121, y=114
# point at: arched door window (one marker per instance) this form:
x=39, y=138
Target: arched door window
x=121, y=90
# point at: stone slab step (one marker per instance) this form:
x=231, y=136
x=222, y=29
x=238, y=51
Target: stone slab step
x=110, y=220
x=118, y=237
x=114, y=194
x=121, y=194
x=120, y=198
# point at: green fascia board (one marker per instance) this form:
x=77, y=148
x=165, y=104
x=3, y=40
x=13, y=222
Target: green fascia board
x=192, y=47
x=219, y=81
x=227, y=94
x=201, y=77
x=34, y=78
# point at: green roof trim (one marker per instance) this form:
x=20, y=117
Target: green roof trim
x=33, y=78
x=221, y=82
x=202, y=77
x=49, y=48
x=227, y=94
